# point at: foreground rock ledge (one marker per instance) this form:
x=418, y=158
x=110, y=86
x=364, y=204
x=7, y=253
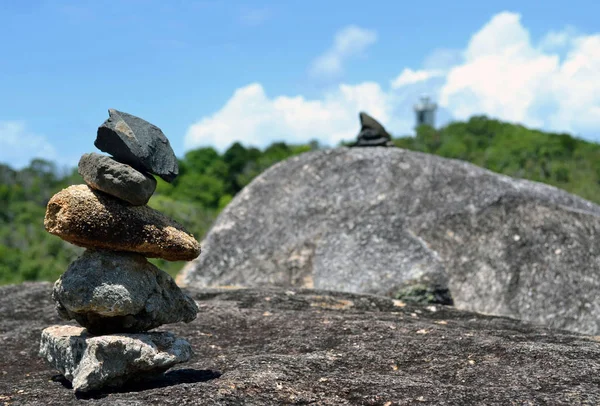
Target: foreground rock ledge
x=114, y=292
x=278, y=347
x=92, y=219
x=93, y=363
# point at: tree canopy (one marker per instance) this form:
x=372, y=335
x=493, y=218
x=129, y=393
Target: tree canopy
x=208, y=181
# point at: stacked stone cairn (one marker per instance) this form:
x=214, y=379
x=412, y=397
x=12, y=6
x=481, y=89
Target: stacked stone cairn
x=112, y=290
x=372, y=133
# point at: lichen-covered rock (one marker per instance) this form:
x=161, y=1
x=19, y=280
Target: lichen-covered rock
x=93, y=363
x=103, y=173
x=395, y=222
x=136, y=142
x=92, y=219
x=112, y=292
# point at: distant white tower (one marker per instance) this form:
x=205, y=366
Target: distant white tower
x=425, y=112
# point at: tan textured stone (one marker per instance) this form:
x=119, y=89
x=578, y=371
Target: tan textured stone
x=92, y=219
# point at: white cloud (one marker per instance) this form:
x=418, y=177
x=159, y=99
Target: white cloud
x=18, y=146
x=410, y=77
x=258, y=119
x=557, y=40
x=501, y=72
x=576, y=86
x=507, y=76
x=348, y=42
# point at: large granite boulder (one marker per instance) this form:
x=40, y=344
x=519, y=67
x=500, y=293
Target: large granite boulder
x=292, y=346
x=390, y=221
x=109, y=292
x=92, y=219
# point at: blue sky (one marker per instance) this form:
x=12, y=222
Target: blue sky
x=213, y=72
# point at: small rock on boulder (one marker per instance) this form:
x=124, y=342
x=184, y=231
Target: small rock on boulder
x=138, y=143
x=372, y=133
x=92, y=363
x=112, y=292
x=92, y=219
x=103, y=173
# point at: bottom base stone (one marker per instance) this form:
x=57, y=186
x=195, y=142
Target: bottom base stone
x=96, y=362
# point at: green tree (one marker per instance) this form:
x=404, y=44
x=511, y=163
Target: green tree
x=209, y=180
x=202, y=189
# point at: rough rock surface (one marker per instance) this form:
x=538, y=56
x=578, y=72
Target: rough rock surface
x=277, y=347
x=92, y=219
x=93, y=363
x=372, y=133
x=109, y=292
x=138, y=143
x=389, y=221
x=103, y=173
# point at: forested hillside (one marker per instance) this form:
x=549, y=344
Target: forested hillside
x=208, y=181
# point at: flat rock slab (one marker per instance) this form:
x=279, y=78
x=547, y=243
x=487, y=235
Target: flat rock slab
x=97, y=362
x=114, y=292
x=278, y=347
x=92, y=219
x=103, y=173
x=136, y=142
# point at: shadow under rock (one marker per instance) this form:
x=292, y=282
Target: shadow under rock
x=171, y=378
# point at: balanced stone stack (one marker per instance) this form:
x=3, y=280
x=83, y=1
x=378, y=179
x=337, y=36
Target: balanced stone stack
x=112, y=290
x=372, y=133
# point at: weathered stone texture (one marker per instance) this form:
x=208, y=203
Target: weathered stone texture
x=136, y=142
x=390, y=221
x=93, y=363
x=103, y=173
x=92, y=219
x=295, y=346
x=109, y=292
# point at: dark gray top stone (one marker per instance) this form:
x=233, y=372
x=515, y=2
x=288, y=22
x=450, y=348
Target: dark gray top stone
x=394, y=222
x=103, y=173
x=279, y=347
x=372, y=133
x=136, y=142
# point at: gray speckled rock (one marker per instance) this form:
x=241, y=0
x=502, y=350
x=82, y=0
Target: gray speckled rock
x=138, y=143
x=103, y=173
x=110, y=292
x=93, y=363
x=390, y=221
